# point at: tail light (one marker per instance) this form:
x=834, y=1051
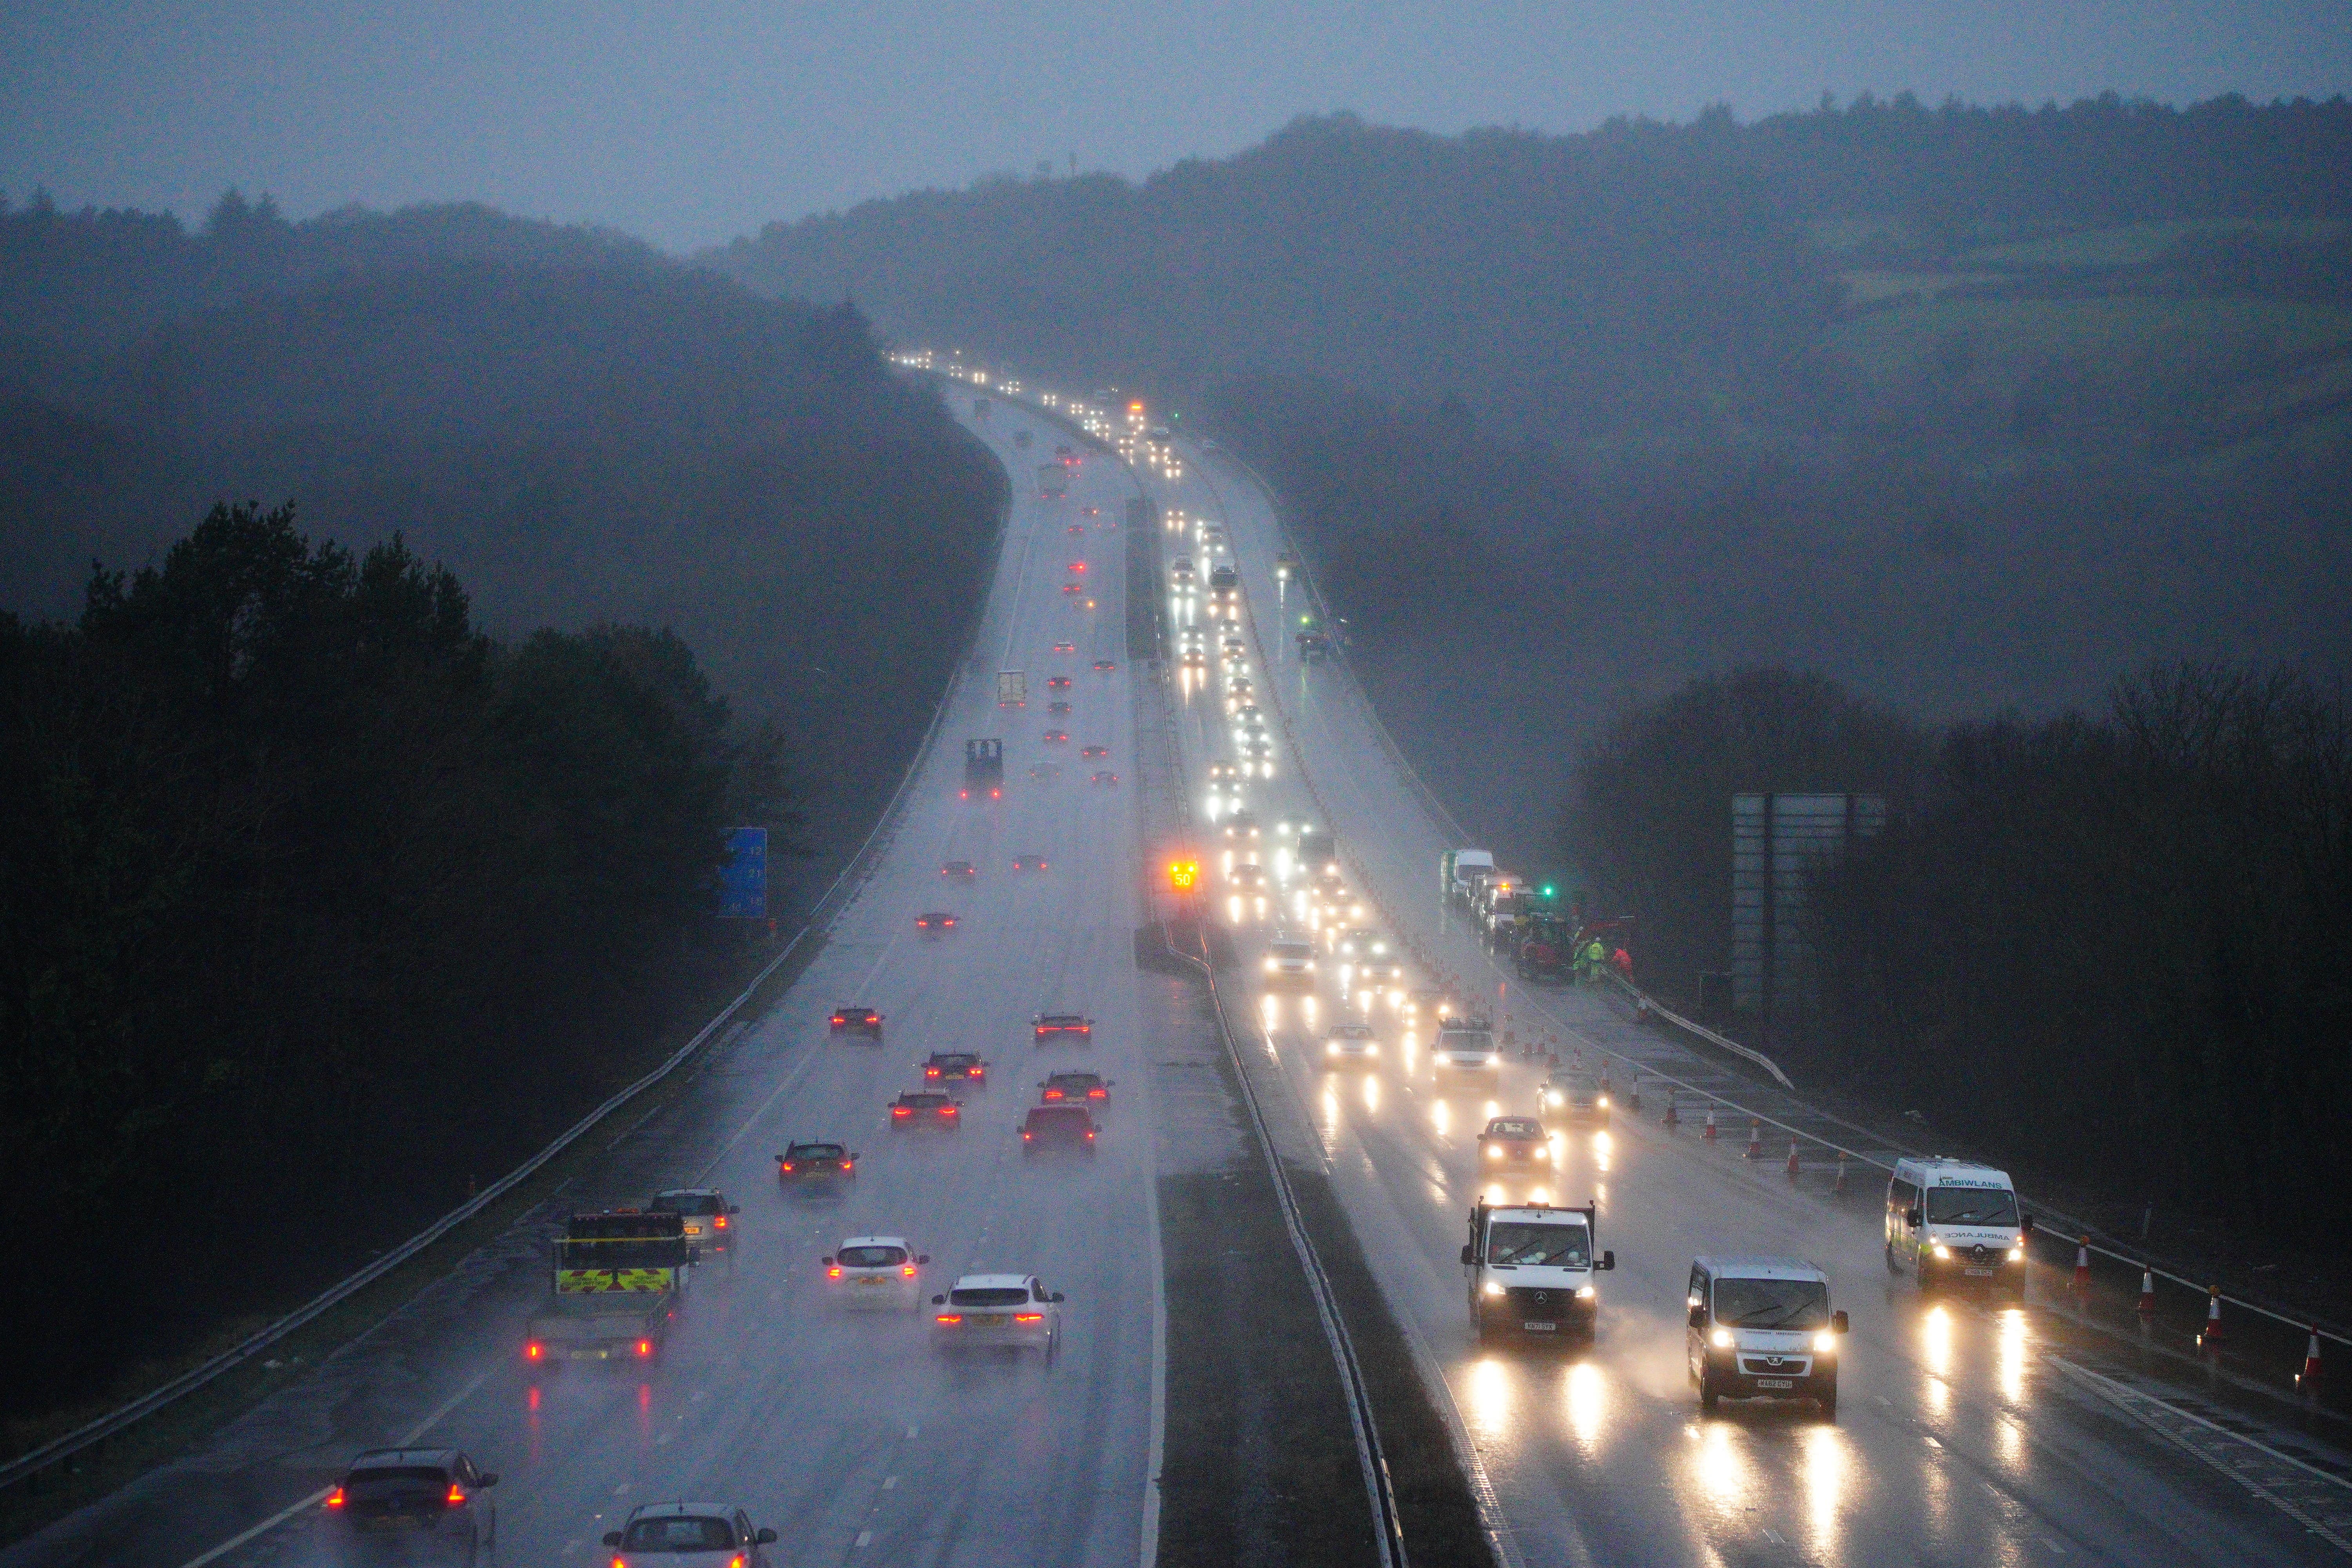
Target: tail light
x=839, y=1019
x=950, y=1316
x=1053, y=1094
x=930, y=1072
x=975, y=1072
x=1098, y=1094
x=718, y=1223
x=908, y=1270
x=1028, y=1316
x=950, y=1110
x=644, y=1347
x=456, y=1495
x=787, y=1165
x=1090, y=1134
x=996, y=795
x=900, y=1110
x=531, y=1351
x=833, y=1272
x=335, y=1497
x=848, y=1165
x=1025, y=1135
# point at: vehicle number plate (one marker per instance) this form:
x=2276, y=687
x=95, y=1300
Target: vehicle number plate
x=1776, y=1383
x=871, y=1280
x=1539, y=1328
x=1978, y=1273
x=989, y=1319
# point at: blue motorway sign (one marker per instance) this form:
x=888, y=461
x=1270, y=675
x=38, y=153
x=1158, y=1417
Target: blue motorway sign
x=743, y=880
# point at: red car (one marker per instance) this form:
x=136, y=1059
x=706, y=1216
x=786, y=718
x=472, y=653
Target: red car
x=1047, y=1027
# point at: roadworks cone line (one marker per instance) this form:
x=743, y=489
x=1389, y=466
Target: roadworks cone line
x=2212, y=1338
x=2148, y=1293
x=2308, y=1378
x=1755, y=1150
x=1710, y=1123
x=1792, y=1158
x=1672, y=1119
x=2083, y=1265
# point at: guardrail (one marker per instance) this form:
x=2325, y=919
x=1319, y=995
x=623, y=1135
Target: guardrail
x=823, y=912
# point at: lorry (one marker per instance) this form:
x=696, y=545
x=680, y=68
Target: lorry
x=1012, y=689
x=984, y=770
x=620, y=1276
x=1458, y=871
x=1053, y=479
x=1318, y=851
x=1314, y=647
x=1529, y=1268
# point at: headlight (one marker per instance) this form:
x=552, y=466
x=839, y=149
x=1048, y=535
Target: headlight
x=1551, y=1100
x=1494, y=1288
x=1585, y=1292
x=1824, y=1344
x=1332, y=1049
x=1602, y=1102
x=1543, y=1152
x=1939, y=1250
x=2016, y=1253
x=1494, y=1151
x=1720, y=1338
x=1495, y=1061
x=1271, y=966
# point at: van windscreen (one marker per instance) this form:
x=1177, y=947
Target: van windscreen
x=1972, y=1206
x=1772, y=1303
x=1552, y=1246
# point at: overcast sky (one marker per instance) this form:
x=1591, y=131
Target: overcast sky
x=690, y=123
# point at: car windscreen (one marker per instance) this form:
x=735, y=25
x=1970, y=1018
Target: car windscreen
x=1772, y=1303
x=954, y=1059
x=1352, y=1032
x=377, y=1485
x=989, y=1296
x=1057, y=1116
x=1073, y=1080
x=923, y=1101
x=1293, y=950
x=1527, y=1241
x=872, y=1256
x=687, y=1203
x=689, y=1533
x=1514, y=1129
x=1972, y=1206
x=1464, y=1040
x=815, y=1150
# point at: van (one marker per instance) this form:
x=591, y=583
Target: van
x=1762, y=1328
x=1950, y=1223
x=1289, y=961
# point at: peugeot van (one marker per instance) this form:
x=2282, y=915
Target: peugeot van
x=1951, y=1223
x=1762, y=1328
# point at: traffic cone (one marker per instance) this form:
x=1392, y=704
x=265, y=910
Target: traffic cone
x=2148, y=1293
x=1672, y=1119
x=1840, y=1175
x=1710, y=1123
x=1792, y=1158
x=2211, y=1339
x=2307, y=1380
x=1633, y=1100
x=1755, y=1150
x=2082, y=1267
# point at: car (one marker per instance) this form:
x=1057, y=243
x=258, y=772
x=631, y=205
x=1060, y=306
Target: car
x=1076, y=530
x=1057, y=683
x=1003, y=1311
x=1057, y=707
x=1106, y=780
x=1248, y=874
x=1514, y=1140
x=916, y=1109
x=955, y=1067
x=1577, y=1095
x=1066, y=647
x=1073, y=587
x=689, y=1535
x=935, y=922
x=1093, y=750
x=1195, y=659
x=1056, y=737
x=963, y=869
x=1047, y=1027
x=879, y=1270
x=1077, y=568
x=1289, y=961
x=1351, y=1042
x=815, y=1161
x=1045, y=773
x=706, y=1214
x=1762, y=1328
x=863, y=1021
x=1028, y=862
x=418, y=1495
x=1465, y=1043
x=1057, y=1127
x=1087, y=1089
x=1105, y=666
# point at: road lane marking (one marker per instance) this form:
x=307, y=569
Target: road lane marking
x=316, y=1497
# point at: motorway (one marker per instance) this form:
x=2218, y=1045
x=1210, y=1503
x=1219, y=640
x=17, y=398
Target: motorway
x=1968, y=1435
x=843, y=1430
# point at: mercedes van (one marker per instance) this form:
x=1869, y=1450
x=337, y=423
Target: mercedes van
x=1951, y=1223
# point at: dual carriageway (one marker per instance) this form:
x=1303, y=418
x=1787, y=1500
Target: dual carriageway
x=1966, y=1435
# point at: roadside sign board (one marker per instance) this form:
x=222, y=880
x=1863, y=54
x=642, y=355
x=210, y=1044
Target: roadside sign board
x=744, y=881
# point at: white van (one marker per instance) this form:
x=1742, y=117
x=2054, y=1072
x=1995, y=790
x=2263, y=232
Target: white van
x=1762, y=1328
x=1949, y=1222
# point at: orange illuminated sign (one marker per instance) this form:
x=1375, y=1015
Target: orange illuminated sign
x=1183, y=874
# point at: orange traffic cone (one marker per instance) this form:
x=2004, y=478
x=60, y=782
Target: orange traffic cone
x=1672, y=1119
x=2211, y=1339
x=2148, y=1293
x=2307, y=1380
x=1710, y=1123
x=2082, y=1267
x=1792, y=1158
x=1755, y=1150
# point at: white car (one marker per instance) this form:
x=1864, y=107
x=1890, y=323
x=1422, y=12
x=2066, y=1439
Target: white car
x=688, y=1535
x=1011, y=1312
x=880, y=1269
x=1351, y=1042
x=1466, y=1043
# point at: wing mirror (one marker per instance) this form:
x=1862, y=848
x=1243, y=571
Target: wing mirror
x=939, y=1300
x=487, y=1478
x=1469, y=1255
x=1838, y=1324
x=2024, y=1224
x=766, y=1537
x=1913, y=1217
x=922, y=1259
x=611, y=1537
x=734, y=1208
x=1698, y=1317
x=1057, y=1296
x=825, y=1262
x=1607, y=1260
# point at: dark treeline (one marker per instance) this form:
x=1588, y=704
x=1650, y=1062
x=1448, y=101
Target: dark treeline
x=2111, y=941
x=584, y=432
x=314, y=902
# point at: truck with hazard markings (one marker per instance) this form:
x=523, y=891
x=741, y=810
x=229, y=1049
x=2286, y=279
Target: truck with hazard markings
x=620, y=1279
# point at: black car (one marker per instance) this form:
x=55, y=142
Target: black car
x=822, y=1163
x=1047, y=1027
x=956, y=1066
x=963, y=869
x=412, y=1495
x=935, y=922
x=1090, y=1090
x=920, y=1109
x=1028, y=862
x=1057, y=1127
x=863, y=1021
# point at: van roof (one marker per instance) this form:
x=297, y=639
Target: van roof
x=1939, y=1170
x=1547, y=1213
x=1760, y=1267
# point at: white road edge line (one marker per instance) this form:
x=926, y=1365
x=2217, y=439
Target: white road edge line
x=316, y=1497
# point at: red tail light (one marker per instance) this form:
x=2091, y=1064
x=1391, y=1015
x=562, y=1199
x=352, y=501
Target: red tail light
x=833, y=1272
x=1053, y=1094
x=848, y=1164
x=335, y=1497
x=1098, y=1094
x=719, y=1222
x=975, y=1072
x=1028, y=1316
x=909, y=1272
x=996, y=795
x=950, y=1316
x=1025, y=1137
x=839, y=1019
x=950, y=1110
x=646, y=1347
x=531, y=1351
x=787, y=1165
x=930, y=1072
x=900, y=1110
x=456, y=1495
x=1090, y=1134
